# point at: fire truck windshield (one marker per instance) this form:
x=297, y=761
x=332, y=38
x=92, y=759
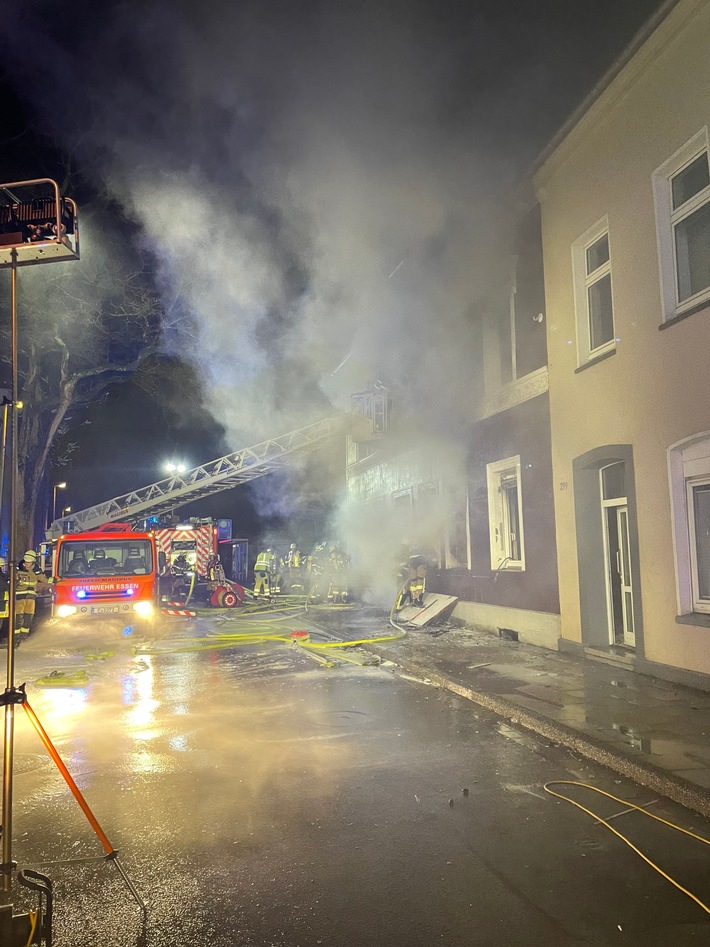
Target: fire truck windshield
x=105, y=557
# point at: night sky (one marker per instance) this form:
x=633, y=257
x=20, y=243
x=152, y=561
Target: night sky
x=311, y=181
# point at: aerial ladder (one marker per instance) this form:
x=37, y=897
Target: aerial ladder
x=366, y=420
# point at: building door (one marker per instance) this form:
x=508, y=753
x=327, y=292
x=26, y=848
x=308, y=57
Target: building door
x=617, y=556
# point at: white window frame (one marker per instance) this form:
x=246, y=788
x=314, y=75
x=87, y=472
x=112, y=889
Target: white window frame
x=498, y=516
x=688, y=466
x=583, y=281
x=667, y=219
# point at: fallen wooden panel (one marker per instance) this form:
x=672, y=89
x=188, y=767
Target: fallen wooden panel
x=435, y=605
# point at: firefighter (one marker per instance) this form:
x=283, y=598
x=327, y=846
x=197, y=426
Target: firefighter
x=337, y=572
x=316, y=565
x=276, y=572
x=29, y=576
x=293, y=564
x=178, y=570
x=215, y=570
x=412, y=591
x=180, y=566
x=4, y=597
x=263, y=572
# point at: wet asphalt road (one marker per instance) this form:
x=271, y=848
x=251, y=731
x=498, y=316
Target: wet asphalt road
x=257, y=798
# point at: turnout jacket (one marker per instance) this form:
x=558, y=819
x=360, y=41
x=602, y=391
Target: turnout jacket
x=27, y=582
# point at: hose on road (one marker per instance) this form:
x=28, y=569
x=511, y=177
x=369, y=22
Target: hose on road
x=630, y=805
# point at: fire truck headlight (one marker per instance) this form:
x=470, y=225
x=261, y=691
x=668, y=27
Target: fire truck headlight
x=64, y=611
x=143, y=608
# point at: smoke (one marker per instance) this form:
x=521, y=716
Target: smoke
x=304, y=179
x=319, y=185
x=381, y=535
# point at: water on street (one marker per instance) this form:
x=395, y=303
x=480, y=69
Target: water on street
x=260, y=799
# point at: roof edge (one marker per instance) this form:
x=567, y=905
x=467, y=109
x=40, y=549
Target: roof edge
x=641, y=36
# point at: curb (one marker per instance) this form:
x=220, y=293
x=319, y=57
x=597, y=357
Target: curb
x=676, y=788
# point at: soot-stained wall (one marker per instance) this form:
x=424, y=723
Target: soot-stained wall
x=523, y=430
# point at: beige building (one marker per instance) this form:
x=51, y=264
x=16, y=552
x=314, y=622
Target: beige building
x=625, y=197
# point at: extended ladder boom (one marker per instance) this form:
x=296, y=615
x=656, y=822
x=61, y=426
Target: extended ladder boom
x=221, y=474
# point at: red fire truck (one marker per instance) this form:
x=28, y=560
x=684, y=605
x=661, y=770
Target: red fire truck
x=107, y=572
x=194, y=540
x=194, y=572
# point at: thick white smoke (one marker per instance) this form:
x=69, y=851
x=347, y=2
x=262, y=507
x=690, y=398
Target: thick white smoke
x=294, y=173
x=318, y=182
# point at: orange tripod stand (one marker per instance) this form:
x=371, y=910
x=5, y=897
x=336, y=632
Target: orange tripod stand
x=18, y=696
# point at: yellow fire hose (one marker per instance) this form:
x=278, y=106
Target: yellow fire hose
x=188, y=597
x=630, y=805
x=77, y=678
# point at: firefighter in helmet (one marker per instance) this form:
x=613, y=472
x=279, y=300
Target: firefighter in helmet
x=179, y=569
x=180, y=565
x=29, y=576
x=264, y=568
x=414, y=575
x=337, y=566
x=317, y=567
x=215, y=570
x=293, y=563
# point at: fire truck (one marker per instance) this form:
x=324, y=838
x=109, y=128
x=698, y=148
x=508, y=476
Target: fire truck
x=366, y=421
x=111, y=571
x=193, y=568
x=195, y=541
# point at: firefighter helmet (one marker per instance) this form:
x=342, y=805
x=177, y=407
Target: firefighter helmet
x=3, y=562
x=30, y=556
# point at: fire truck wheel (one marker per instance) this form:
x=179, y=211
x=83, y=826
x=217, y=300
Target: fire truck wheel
x=228, y=599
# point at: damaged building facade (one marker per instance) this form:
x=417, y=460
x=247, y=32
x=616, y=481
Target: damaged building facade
x=580, y=516
x=483, y=510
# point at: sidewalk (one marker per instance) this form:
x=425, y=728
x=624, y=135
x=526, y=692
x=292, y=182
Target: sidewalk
x=653, y=732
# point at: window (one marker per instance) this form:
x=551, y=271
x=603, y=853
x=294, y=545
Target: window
x=506, y=345
x=518, y=317
x=698, y=495
x=429, y=526
x=105, y=557
x=457, y=530
x=591, y=267
x=682, y=195
x=505, y=515
x=689, y=464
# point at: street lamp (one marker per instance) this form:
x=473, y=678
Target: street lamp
x=57, y=486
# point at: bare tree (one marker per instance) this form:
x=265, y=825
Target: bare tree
x=82, y=326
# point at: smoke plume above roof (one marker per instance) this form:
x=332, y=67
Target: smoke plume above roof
x=318, y=182
x=310, y=194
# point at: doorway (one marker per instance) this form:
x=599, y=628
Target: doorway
x=617, y=557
